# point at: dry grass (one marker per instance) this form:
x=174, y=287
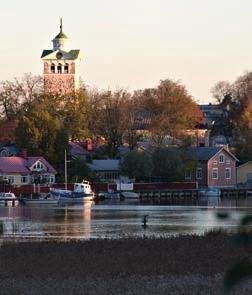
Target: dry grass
x=180, y=265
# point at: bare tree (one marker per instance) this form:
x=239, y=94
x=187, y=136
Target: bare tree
x=14, y=93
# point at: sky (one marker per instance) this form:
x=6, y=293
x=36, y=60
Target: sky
x=133, y=44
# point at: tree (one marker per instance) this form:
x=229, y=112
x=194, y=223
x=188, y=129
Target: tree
x=137, y=165
x=175, y=109
x=108, y=119
x=131, y=109
x=220, y=90
x=78, y=170
x=171, y=110
x=14, y=93
x=243, y=134
x=41, y=131
x=74, y=113
x=236, y=100
x=169, y=164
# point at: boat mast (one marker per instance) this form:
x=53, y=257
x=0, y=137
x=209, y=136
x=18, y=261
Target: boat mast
x=65, y=171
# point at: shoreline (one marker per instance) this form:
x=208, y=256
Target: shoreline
x=178, y=265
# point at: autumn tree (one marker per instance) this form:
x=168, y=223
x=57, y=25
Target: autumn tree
x=131, y=109
x=171, y=110
x=236, y=100
x=243, y=134
x=108, y=119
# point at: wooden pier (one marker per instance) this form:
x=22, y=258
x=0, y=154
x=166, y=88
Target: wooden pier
x=168, y=194
x=190, y=194
x=234, y=193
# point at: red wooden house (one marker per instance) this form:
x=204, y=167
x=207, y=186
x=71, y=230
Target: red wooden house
x=216, y=167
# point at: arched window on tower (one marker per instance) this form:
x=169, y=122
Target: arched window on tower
x=66, y=68
x=53, y=68
x=59, y=68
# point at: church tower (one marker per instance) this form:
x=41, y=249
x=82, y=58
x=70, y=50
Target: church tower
x=61, y=66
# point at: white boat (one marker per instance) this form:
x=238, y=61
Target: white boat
x=7, y=196
x=82, y=191
x=48, y=200
x=109, y=195
x=129, y=195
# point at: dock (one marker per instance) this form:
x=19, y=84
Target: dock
x=234, y=193
x=169, y=194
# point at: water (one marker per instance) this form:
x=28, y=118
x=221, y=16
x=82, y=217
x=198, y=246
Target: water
x=116, y=219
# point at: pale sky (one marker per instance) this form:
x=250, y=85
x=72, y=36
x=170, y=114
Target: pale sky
x=133, y=44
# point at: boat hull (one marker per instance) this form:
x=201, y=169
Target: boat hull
x=40, y=201
x=72, y=196
x=130, y=195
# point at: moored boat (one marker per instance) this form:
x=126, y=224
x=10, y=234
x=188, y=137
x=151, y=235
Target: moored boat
x=129, y=195
x=41, y=201
x=82, y=191
x=7, y=196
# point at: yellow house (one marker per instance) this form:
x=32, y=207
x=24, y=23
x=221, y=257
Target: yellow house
x=26, y=170
x=244, y=173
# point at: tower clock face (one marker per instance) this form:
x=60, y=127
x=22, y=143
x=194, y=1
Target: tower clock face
x=59, y=55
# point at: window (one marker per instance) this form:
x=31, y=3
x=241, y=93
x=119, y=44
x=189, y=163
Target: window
x=221, y=158
x=66, y=69
x=228, y=173
x=215, y=173
x=24, y=179
x=38, y=166
x=51, y=179
x=199, y=173
x=53, y=68
x=59, y=68
x=11, y=179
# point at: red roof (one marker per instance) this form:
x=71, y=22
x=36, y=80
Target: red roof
x=21, y=165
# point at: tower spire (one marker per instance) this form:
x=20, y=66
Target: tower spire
x=61, y=25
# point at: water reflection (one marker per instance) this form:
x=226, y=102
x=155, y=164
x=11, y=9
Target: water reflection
x=115, y=218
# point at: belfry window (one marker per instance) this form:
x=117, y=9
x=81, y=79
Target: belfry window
x=59, y=68
x=66, y=68
x=53, y=68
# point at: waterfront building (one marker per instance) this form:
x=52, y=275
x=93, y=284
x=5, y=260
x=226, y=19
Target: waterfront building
x=61, y=66
x=25, y=170
x=244, y=173
x=216, y=167
x=107, y=170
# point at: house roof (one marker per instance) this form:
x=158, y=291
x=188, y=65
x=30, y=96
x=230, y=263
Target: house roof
x=21, y=165
x=33, y=160
x=104, y=165
x=244, y=164
x=77, y=149
x=206, y=153
x=46, y=52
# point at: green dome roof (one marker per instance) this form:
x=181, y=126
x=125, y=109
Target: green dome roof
x=61, y=35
